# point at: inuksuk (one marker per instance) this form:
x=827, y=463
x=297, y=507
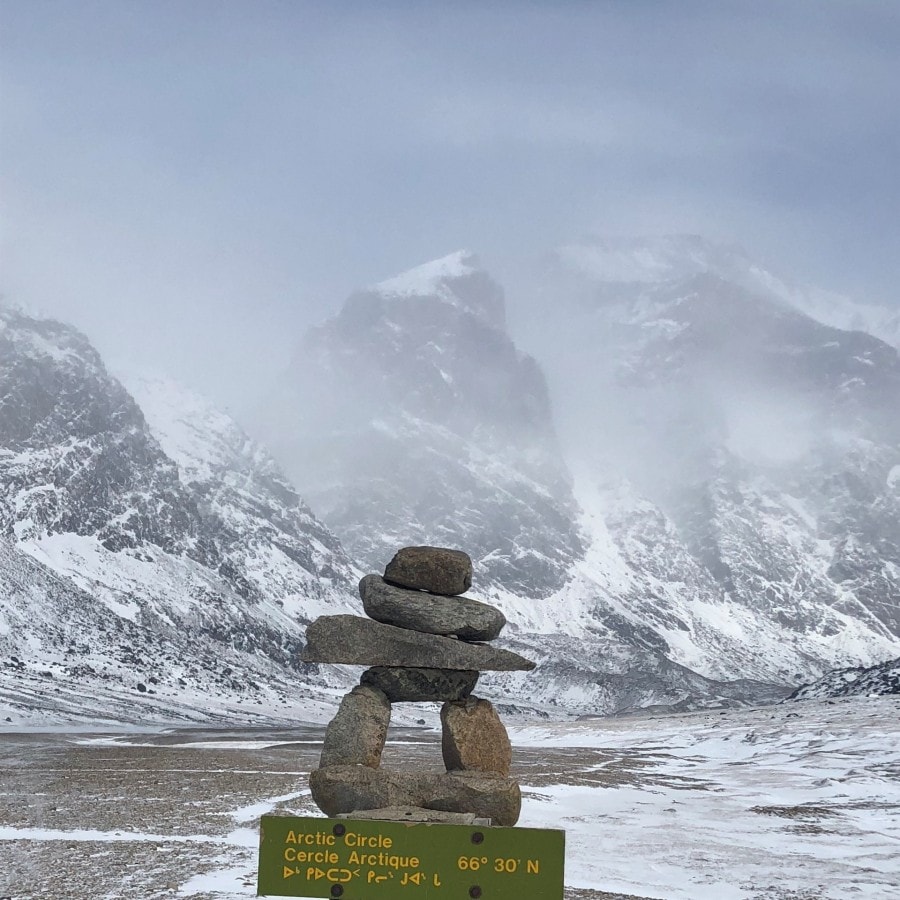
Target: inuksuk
x=423, y=642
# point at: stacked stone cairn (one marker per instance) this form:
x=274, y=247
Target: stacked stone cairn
x=424, y=643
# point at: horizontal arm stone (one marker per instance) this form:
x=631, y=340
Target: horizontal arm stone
x=358, y=641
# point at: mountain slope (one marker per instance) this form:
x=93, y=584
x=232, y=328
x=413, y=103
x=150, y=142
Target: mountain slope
x=411, y=417
x=212, y=557
x=272, y=545
x=767, y=441
x=704, y=551
x=65, y=657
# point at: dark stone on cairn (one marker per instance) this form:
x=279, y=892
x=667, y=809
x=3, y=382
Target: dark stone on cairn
x=346, y=789
x=356, y=735
x=403, y=684
x=468, y=619
x=473, y=738
x=358, y=641
x=434, y=569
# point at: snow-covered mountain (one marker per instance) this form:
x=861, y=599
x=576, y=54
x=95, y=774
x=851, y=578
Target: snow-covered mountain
x=652, y=260
x=723, y=516
x=411, y=417
x=718, y=385
x=699, y=504
x=857, y=681
x=766, y=444
x=275, y=549
x=65, y=657
x=205, y=559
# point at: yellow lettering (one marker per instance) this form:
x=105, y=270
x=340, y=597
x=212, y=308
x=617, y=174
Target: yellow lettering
x=317, y=839
x=378, y=841
x=339, y=875
x=533, y=867
x=385, y=860
x=309, y=856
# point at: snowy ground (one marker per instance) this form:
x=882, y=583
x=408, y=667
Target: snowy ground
x=793, y=802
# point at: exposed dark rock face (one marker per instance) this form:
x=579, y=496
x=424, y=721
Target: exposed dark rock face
x=79, y=458
x=412, y=418
x=857, y=681
x=209, y=549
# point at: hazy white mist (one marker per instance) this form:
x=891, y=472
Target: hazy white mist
x=194, y=184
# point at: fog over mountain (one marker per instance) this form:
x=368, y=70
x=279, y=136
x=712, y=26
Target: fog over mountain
x=159, y=569
x=724, y=496
x=411, y=417
x=687, y=494
x=194, y=184
x=722, y=399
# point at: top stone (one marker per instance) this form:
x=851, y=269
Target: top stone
x=434, y=569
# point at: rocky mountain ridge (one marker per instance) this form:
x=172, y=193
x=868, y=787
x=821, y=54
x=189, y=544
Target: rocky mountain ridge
x=672, y=257
x=857, y=681
x=699, y=505
x=181, y=569
x=411, y=418
x=694, y=547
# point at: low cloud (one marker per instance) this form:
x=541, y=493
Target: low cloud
x=236, y=169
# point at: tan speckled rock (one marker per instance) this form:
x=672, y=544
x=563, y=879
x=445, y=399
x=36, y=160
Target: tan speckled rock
x=474, y=738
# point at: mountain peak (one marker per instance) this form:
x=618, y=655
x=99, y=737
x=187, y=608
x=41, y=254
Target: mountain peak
x=610, y=261
x=431, y=277
x=648, y=259
x=457, y=280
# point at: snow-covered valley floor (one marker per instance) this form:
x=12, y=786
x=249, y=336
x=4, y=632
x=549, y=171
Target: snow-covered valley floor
x=793, y=802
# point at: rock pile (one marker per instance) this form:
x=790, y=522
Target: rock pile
x=422, y=642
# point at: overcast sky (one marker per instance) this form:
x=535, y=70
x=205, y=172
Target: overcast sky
x=194, y=182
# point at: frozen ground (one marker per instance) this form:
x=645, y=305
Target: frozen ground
x=794, y=802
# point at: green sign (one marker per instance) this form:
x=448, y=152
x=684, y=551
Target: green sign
x=374, y=860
